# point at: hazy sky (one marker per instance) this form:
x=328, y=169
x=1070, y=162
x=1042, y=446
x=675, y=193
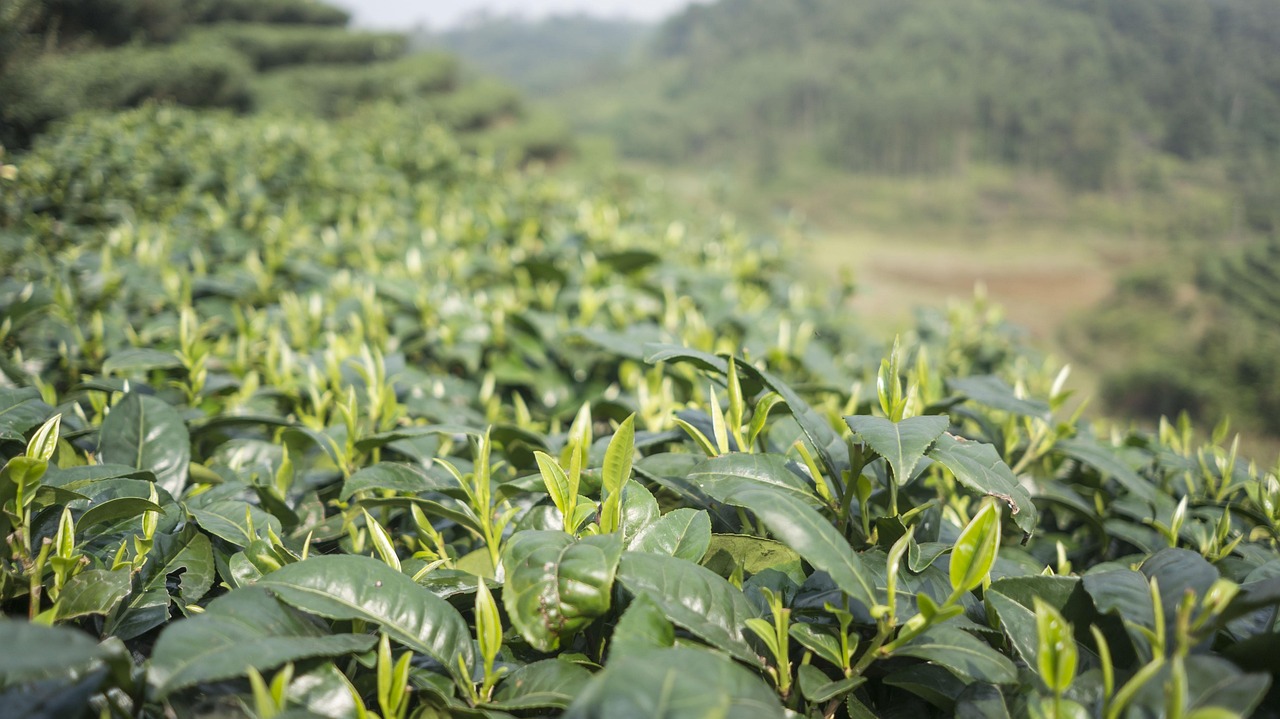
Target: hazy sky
x=442, y=13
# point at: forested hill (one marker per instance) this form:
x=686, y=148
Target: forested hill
x=1085, y=88
x=543, y=57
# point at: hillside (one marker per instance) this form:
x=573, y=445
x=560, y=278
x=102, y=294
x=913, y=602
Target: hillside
x=543, y=57
x=1088, y=91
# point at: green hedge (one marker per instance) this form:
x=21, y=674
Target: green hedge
x=335, y=90
x=272, y=46
x=478, y=106
x=118, y=22
x=107, y=22
x=296, y=12
x=56, y=86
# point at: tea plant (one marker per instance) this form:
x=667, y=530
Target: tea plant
x=341, y=419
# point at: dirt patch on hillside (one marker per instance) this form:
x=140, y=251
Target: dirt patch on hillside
x=1037, y=291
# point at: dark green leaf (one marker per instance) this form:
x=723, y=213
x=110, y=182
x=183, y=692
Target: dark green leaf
x=1211, y=682
x=720, y=477
x=981, y=701
x=930, y=682
x=672, y=353
x=670, y=471
x=396, y=477
x=450, y=509
x=33, y=651
x=20, y=410
x=1216, y=682
x=94, y=591
x=692, y=597
x=555, y=585
x=1110, y=462
x=902, y=444
x=549, y=684
x=114, y=510
x=373, y=441
x=52, y=698
x=229, y=520
x=1013, y=600
x=642, y=626
x=812, y=536
x=677, y=683
x=961, y=654
x=818, y=687
x=243, y=629
x=922, y=556
x=78, y=478
x=146, y=433
x=830, y=445
x=821, y=642
x=978, y=467
x=1177, y=571
x=753, y=553
x=189, y=556
x=355, y=587
x=1122, y=592
x=683, y=533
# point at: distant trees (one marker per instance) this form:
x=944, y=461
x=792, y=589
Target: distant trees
x=925, y=86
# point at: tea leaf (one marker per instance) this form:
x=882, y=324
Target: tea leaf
x=903, y=443
x=692, y=597
x=146, y=433
x=245, y=628
x=353, y=587
x=978, y=467
x=812, y=536
x=961, y=654
x=975, y=550
x=695, y=683
x=684, y=533
x=557, y=585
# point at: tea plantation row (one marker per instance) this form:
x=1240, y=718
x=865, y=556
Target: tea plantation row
x=339, y=419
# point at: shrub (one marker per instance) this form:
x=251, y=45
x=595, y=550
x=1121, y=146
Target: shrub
x=273, y=46
x=292, y=12
x=335, y=90
x=56, y=86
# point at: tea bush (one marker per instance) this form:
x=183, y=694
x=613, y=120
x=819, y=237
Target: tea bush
x=271, y=46
x=338, y=90
x=288, y=12
x=340, y=419
x=56, y=86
